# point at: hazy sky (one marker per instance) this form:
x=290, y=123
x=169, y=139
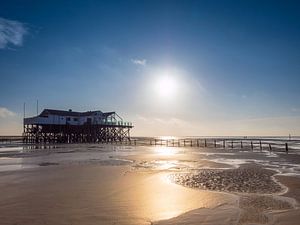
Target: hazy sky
x=170, y=67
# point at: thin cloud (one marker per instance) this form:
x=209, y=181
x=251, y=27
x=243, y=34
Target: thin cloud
x=4, y=113
x=141, y=62
x=11, y=33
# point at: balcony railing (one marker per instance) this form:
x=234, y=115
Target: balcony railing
x=57, y=121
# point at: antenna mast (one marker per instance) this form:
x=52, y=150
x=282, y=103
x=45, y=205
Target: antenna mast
x=24, y=105
x=37, y=107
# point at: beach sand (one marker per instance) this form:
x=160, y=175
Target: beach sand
x=93, y=194
x=262, y=199
x=93, y=184
x=291, y=216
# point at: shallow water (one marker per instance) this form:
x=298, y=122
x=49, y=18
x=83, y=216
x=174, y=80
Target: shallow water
x=32, y=155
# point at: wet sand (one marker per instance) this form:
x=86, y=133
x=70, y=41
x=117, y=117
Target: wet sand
x=291, y=216
x=93, y=194
x=95, y=184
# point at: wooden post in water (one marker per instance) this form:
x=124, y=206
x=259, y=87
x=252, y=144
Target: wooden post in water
x=224, y=144
x=205, y=144
x=197, y=142
x=241, y=144
x=286, y=148
x=191, y=142
x=231, y=143
x=251, y=145
x=215, y=142
x=260, y=146
x=270, y=147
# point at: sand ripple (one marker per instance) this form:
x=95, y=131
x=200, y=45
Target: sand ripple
x=246, y=179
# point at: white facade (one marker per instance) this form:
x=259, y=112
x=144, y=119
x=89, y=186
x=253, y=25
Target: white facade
x=58, y=117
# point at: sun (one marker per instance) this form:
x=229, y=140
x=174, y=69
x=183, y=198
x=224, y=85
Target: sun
x=166, y=86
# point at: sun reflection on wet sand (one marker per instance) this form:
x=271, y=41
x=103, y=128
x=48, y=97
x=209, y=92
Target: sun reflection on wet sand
x=166, y=165
x=166, y=150
x=156, y=198
x=100, y=195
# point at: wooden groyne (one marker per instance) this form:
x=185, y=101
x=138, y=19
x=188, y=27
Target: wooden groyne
x=220, y=143
x=253, y=144
x=10, y=139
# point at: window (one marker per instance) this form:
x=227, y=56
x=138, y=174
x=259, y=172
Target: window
x=68, y=118
x=75, y=119
x=89, y=120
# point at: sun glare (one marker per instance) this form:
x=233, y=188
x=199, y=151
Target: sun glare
x=166, y=150
x=166, y=86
